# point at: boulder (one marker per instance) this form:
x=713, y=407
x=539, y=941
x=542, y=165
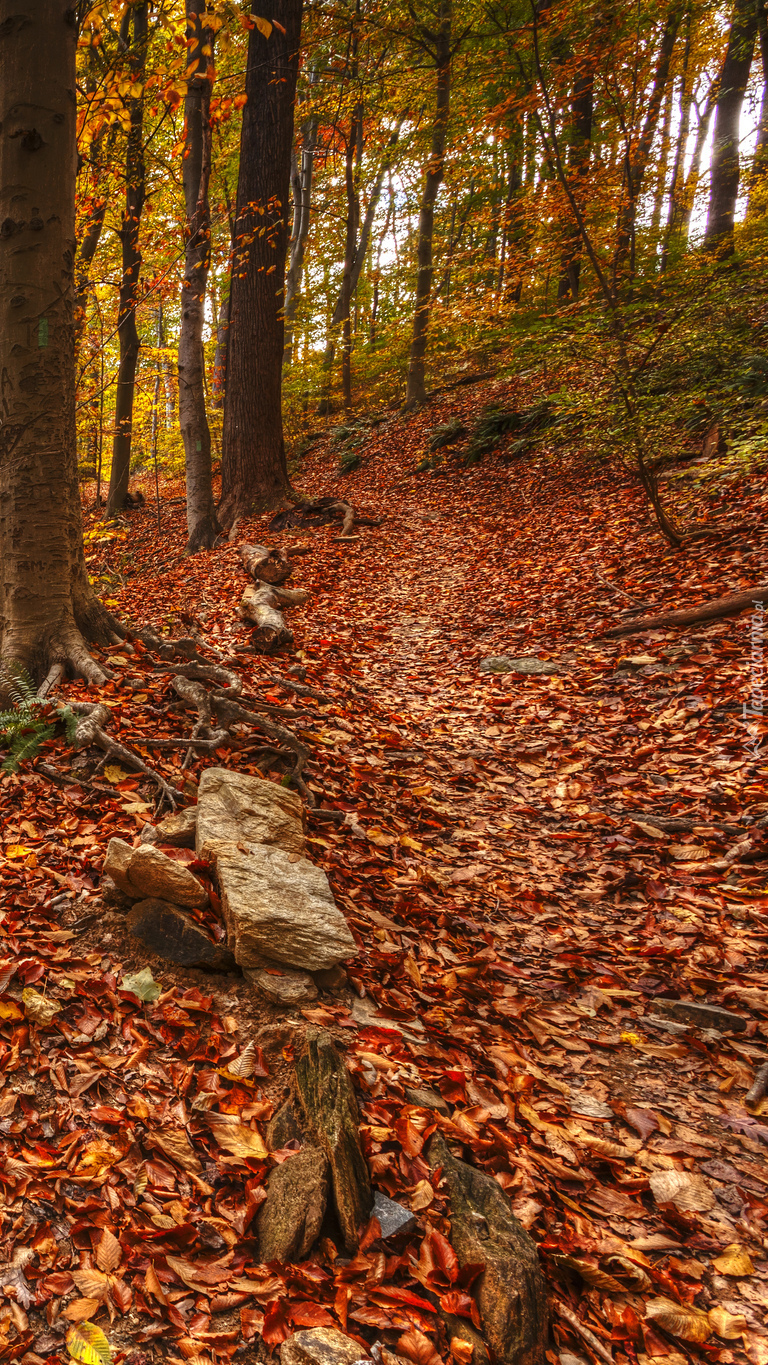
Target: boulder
x=179, y=830
x=237, y=808
x=510, y=1293
x=321, y=1346
x=119, y=855
x=329, y=1106
x=152, y=873
x=289, y=1221
x=167, y=931
x=282, y=985
x=279, y=906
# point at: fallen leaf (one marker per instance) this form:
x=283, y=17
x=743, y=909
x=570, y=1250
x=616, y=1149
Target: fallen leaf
x=679, y=1319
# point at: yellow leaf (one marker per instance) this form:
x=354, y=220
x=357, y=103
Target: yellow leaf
x=17, y=851
x=734, y=1261
x=37, y=1008
x=236, y=1138
x=263, y=25
x=10, y=1010
x=113, y=772
x=88, y=1345
x=679, y=1319
x=407, y=842
x=728, y=1325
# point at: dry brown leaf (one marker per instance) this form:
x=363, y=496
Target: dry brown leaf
x=236, y=1138
x=245, y=1065
x=688, y=853
x=734, y=1261
x=421, y=1196
x=679, y=1319
x=108, y=1254
x=175, y=1143
x=689, y=1192
x=590, y=1274
x=38, y=1009
x=153, y=1286
x=200, y=1273
x=728, y=1325
x=80, y=1309
x=92, y=1284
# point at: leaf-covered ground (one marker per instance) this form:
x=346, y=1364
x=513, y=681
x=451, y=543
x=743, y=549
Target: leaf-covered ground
x=523, y=925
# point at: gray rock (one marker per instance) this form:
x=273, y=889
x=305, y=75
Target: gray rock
x=502, y=663
x=701, y=1015
x=156, y=875
x=116, y=864
x=179, y=830
x=279, y=906
x=426, y=1099
x=237, y=808
x=320, y=1346
x=283, y=985
x=393, y=1218
x=289, y=1221
x=167, y=931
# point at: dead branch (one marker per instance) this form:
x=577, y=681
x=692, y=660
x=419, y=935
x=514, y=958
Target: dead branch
x=706, y=611
x=261, y=607
x=269, y=566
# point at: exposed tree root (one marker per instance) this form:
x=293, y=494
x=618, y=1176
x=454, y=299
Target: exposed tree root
x=90, y=731
x=705, y=611
x=322, y=511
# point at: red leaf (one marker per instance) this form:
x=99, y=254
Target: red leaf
x=276, y=1329
x=306, y=1314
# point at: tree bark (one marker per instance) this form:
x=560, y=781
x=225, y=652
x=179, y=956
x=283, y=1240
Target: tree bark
x=582, y=108
x=202, y=522
x=757, y=200
x=131, y=260
x=416, y=393
x=676, y=186
x=724, y=165
x=47, y=606
x=706, y=611
x=254, y=472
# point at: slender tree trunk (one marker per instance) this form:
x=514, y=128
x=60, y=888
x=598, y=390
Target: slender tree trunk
x=690, y=187
x=724, y=165
x=676, y=186
x=253, y=468
x=376, y=276
x=582, y=108
x=302, y=202
x=47, y=607
x=220, y=354
x=131, y=260
x=202, y=522
x=416, y=393
x=637, y=156
x=757, y=185
x=660, y=187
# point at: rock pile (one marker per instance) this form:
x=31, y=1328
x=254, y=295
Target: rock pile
x=281, y=919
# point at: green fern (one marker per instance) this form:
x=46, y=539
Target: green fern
x=29, y=721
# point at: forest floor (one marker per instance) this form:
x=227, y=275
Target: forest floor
x=524, y=926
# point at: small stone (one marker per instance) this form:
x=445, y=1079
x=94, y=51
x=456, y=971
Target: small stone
x=502, y=663
x=320, y=1346
x=289, y=1221
x=393, y=1218
x=156, y=875
x=283, y=985
x=240, y=809
x=116, y=863
x=426, y=1099
x=179, y=830
x=701, y=1015
x=167, y=931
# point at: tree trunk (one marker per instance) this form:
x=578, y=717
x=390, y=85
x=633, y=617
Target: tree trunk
x=724, y=165
x=220, y=354
x=676, y=186
x=692, y=179
x=660, y=187
x=637, y=157
x=416, y=393
x=129, y=286
x=757, y=199
x=301, y=179
x=254, y=472
x=582, y=108
x=202, y=523
x=47, y=606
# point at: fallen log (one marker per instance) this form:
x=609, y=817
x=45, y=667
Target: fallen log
x=705, y=611
x=320, y=512
x=261, y=606
x=269, y=566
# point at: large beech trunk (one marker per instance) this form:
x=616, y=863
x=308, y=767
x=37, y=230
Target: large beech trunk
x=724, y=168
x=131, y=260
x=253, y=471
x=202, y=522
x=416, y=393
x=47, y=607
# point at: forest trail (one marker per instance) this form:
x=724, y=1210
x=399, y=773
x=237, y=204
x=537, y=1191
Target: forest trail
x=532, y=946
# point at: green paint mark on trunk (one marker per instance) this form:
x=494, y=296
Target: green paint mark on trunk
x=198, y=445
x=42, y=332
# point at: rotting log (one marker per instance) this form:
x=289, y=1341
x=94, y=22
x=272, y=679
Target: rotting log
x=689, y=616
x=260, y=606
x=269, y=566
x=510, y=1293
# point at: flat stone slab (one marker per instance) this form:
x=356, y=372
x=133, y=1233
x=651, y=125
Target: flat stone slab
x=700, y=1015
x=154, y=874
x=320, y=1346
x=502, y=663
x=167, y=931
x=238, y=808
x=282, y=985
x=279, y=906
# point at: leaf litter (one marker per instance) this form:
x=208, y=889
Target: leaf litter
x=525, y=927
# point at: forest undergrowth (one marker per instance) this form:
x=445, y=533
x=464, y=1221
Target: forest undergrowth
x=536, y=866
